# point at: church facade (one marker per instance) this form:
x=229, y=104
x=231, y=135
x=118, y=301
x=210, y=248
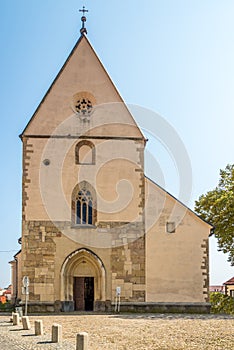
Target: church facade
x=95, y=229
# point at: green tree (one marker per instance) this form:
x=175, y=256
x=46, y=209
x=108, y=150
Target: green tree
x=217, y=207
x=221, y=303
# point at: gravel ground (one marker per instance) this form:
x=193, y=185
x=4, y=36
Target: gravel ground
x=125, y=331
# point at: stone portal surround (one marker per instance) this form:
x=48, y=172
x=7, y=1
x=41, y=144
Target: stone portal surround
x=127, y=261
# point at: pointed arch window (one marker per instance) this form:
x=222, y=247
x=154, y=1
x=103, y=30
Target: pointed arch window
x=83, y=205
x=84, y=208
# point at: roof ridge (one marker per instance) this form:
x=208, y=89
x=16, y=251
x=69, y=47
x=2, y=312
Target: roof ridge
x=184, y=205
x=53, y=82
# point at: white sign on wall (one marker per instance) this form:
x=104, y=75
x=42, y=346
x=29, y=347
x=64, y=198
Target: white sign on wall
x=25, y=281
x=118, y=291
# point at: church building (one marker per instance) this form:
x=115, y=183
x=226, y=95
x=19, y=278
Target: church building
x=95, y=230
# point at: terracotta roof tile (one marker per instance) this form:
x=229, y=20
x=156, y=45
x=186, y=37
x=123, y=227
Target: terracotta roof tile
x=231, y=281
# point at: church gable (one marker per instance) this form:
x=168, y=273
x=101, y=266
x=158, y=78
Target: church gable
x=82, y=100
x=165, y=211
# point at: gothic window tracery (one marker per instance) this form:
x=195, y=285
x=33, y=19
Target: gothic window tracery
x=83, y=106
x=83, y=205
x=84, y=208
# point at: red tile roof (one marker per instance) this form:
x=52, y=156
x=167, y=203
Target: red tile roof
x=231, y=281
x=7, y=291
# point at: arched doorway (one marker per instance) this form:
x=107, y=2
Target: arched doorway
x=83, y=280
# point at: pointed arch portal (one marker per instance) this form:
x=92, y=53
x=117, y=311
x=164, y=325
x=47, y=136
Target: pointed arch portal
x=83, y=280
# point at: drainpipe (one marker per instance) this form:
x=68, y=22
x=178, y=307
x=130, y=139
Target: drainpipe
x=16, y=280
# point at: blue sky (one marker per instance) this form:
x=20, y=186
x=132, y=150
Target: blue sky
x=174, y=57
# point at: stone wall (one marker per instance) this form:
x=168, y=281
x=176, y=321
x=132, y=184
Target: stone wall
x=128, y=262
x=188, y=308
x=38, y=254
x=41, y=259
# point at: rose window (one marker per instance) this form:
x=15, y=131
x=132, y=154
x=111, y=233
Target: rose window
x=83, y=106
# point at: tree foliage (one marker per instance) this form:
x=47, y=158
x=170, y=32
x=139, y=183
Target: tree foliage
x=217, y=207
x=221, y=303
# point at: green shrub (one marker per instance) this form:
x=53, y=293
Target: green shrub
x=6, y=307
x=221, y=304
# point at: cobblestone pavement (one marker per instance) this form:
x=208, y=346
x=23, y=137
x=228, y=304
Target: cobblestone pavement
x=124, y=332
x=15, y=338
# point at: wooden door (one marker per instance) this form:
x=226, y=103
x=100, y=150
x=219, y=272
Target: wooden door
x=89, y=293
x=83, y=293
x=78, y=293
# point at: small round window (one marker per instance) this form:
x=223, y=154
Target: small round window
x=83, y=103
x=83, y=106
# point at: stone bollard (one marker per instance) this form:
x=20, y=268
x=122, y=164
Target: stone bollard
x=82, y=341
x=38, y=327
x=26, y=322
x=16, y=319
x=56, y=333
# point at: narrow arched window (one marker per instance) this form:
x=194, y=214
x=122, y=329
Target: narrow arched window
x=84, y=208
x=85, y=153
x=90, y=213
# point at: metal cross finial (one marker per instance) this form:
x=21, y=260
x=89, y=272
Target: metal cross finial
x=84, y=10
x=83, y=19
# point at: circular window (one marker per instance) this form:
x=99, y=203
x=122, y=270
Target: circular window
x=83, y=106
x=46, y=162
